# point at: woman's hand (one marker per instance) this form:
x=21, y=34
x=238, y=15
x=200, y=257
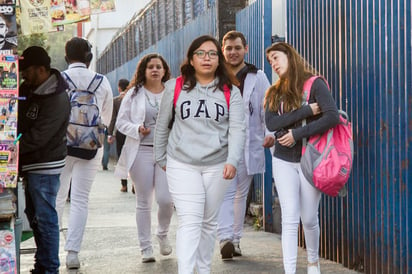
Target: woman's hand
x=144, y=131
x=287, y=140
x=315, y=108
x=229, y=172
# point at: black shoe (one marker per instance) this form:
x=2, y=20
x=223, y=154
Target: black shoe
x=226, y=250
x=105, y=168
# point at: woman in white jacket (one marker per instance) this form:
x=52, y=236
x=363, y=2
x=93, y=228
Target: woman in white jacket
x=137, y=119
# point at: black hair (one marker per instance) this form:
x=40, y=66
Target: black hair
x=123, y=83
x=78, y=49
x=225, y=76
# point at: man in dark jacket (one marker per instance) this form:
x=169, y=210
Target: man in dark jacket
x=113, y=133
x=43, y=119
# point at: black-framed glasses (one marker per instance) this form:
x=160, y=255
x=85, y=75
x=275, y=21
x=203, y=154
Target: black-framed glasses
x=202, y=54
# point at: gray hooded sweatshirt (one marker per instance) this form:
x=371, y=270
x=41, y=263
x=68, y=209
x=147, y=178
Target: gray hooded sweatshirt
x=204, y=131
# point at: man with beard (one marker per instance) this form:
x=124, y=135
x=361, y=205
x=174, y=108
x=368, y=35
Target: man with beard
x=43, y=120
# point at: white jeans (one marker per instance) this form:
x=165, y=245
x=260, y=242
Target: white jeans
x=81, y=173
x=233, y=209
x=147, y=177
x=298, y=199
x=197, y=193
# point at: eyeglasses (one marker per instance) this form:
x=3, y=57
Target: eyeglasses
x=202, y=54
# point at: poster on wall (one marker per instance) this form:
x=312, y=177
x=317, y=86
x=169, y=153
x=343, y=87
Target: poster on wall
x=100, y=6
x=8, y=28
x=65, y=12
x=9, y=79
x=35, y=16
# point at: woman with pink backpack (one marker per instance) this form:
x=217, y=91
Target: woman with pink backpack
x=286, y=109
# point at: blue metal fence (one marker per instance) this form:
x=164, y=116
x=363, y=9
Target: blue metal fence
x=255, y=22
x=363, y=48
x=172, y=47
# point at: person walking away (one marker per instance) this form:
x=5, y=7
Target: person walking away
x=43, y=120
x=285, y=111
x=80, y=171
x=137, y=120
x=201, y=150
x=253, y=85
x=113, y=133
x=106, y=151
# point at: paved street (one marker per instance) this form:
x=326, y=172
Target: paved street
x=110, y=241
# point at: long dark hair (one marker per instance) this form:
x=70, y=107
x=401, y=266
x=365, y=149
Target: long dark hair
x=139, y=78
x=288, y=88
x=188, y=71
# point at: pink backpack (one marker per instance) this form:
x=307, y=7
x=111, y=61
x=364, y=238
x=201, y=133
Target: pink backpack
x=327, y=158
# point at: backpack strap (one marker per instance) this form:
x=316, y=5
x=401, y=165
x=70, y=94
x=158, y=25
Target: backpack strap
x=226, y=92
x=307, y=86
x=69, y=80
x=179, y=86
x=95, y=83
x=178, y=89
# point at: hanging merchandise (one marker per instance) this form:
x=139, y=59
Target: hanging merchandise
x=8, y=29
x=35, y=17
x=100, y=6
x=8, y=120
x=65, y=12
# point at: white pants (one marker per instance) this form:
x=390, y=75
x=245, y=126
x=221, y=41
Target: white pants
x=298, y=199
x=197, y=193
x=147, y=177
x=81, y=173
x=233, y=209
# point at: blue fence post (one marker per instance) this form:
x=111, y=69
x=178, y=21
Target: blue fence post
x=267, y=193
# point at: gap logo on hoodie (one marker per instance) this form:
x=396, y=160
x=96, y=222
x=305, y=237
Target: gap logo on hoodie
x=202, y=110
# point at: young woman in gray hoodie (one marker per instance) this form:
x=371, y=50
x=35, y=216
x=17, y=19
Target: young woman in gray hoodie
x=201, y=150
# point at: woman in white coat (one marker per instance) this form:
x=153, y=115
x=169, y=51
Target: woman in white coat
x=137, y=119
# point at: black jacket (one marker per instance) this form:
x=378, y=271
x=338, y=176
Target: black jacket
x=43, y=119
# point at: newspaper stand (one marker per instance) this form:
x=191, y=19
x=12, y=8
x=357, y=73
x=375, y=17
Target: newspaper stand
x=10, y=225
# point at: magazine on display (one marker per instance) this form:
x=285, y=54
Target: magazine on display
x=9, y=79
x=8, y=28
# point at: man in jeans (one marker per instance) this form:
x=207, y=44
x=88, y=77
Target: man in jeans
x=43, y=120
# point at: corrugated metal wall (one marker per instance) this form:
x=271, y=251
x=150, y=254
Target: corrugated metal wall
x=255, y=22
x=172, y=47
x=364, y=49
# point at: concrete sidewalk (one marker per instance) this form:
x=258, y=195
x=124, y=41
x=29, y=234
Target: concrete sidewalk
x=110, y=242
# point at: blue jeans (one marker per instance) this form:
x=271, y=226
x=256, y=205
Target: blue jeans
x=41, y=191
x=106, y=152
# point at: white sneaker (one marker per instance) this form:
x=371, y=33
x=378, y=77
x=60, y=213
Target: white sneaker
x=314, y=269
x=72, y=260
x=237, y=252
x=164, y=245
x=147, y=255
